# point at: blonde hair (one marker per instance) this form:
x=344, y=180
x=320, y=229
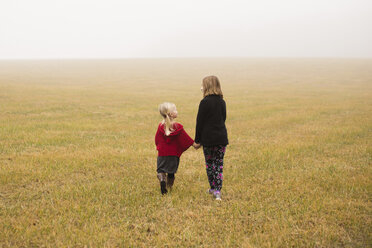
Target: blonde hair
x=211, y=86
x=165, y=109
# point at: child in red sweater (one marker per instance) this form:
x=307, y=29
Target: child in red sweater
x=171, y=141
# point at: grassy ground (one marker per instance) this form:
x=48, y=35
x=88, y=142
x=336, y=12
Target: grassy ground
x=78, y=160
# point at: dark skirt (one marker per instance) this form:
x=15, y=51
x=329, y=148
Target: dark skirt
x=168, y=164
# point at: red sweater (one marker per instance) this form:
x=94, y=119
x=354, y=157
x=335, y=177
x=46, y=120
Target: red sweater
x=175, y=144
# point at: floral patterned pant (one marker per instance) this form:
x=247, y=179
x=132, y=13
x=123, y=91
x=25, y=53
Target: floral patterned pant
x=214, y=165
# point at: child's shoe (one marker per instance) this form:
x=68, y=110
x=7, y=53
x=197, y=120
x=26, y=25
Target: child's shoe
x=217, y=195
x=163, y=187
x=210, y=191
x=170, y=180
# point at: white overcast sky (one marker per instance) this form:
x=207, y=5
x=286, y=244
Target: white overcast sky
x=190, y=28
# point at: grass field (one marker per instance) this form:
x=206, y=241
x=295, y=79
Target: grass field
x=78, y=160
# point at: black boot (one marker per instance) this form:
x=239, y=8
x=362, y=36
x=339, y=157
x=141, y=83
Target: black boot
x=170, y=180
x=163, y=187
x=163, y=184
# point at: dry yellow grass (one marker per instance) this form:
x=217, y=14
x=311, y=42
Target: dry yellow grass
x=78, y=161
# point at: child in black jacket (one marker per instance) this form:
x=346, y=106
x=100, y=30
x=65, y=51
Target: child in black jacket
x=211, y=132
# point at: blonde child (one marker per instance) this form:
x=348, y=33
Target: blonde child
x=171, y=141
x=211, y=132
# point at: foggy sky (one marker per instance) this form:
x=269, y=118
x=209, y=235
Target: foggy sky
x=192, y=28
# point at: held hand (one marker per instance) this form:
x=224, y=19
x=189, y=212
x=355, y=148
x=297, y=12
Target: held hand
x=196, y=146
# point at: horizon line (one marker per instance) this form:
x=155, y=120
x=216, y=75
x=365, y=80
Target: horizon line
x=188, y=57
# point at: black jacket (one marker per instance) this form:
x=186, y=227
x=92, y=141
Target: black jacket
x=210, y=122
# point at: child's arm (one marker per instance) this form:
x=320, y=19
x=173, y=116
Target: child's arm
x=185, y=141
x=224, y=111
x=200, y=121
x=157, y=137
